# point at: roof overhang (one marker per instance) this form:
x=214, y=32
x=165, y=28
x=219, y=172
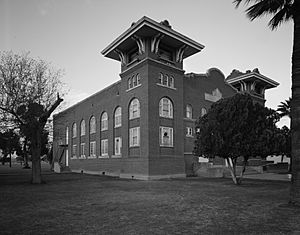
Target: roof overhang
x=146, y=27
x=267, y=82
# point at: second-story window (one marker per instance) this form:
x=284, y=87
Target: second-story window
x=118, y=117
x=82, y=128
x=189, y=111
x=165, y=108
x=92, y=125
x=104, y=121
x=134, y=109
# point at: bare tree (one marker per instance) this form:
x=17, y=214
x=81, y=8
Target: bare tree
x=28, y=96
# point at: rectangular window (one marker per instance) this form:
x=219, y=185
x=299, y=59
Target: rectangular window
x=74, y=150
x=166, y=136
x=93, y=149
x=104, y=147
x=134, y=137
x=189, y=131
x=82, y=150
x=118, y=145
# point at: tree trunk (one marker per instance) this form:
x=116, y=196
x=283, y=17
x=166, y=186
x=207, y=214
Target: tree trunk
x=232, y=168
x=36, y=158
x=295, y=111
x=25, y=155
x=243, y=170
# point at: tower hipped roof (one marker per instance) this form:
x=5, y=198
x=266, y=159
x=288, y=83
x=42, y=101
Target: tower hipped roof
x=147, y=28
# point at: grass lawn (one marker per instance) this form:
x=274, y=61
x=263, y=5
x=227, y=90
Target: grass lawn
x=86, y=204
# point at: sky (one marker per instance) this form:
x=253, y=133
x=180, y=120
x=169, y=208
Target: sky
x=72, y=33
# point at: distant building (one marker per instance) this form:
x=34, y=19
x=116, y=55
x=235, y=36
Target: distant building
x=143, y=126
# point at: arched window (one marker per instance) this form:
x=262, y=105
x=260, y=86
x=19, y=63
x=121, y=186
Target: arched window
x=129, y=83
x=165, y=108
x=138, y=79
x=104, y=121
x=118, y=117
x=82, y=128
x=171, y=82
x=160, y=78
x=165, y=80
x=189, y=111
x=134, y=109
x=203, y=112
x=74, y=130
x=92, y=125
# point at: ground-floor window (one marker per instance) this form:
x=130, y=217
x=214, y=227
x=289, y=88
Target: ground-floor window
x=82, y=150
x=189, y=132
x=166, y=136
x=74, y=148
x=134, y=137
x=104, y=147
x=93, y=149
x=118, y=145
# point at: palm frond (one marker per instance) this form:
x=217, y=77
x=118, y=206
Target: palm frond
x=264, y=7
x=280, y=17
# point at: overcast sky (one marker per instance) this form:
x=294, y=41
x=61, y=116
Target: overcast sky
x=71, y=34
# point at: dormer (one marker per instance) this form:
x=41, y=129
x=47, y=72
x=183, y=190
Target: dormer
x=148, y=39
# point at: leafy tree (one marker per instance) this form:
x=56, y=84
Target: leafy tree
x=282, y=140
x=284, y=108
x=28, y=96
x=236, y=128
x=282, y=11
x=9, y=143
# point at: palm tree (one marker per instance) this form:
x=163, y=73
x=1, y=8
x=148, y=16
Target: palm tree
x=284, y=108
x=282, y=11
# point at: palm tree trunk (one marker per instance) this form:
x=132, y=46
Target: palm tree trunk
x=295, y=112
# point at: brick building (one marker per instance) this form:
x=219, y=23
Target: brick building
x=143, y=125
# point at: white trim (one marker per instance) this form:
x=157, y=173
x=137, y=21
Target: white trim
x=253, y=74
x=145, y=21
x=132, y=88
x=173, y=88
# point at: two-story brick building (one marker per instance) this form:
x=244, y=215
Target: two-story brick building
x=143, y=126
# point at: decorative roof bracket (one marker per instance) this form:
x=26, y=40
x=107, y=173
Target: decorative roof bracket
x=121, y=56
x=140, y=43
x=179, y=53
x=155, y=42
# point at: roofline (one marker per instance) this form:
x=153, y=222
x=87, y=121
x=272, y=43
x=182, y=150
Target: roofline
x=258, y=75
x=149, y=22
x=81, y=101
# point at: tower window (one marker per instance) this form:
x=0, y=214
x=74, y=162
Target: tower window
x=166, y=80
x=165, y=108
x=166, y=136
x=134, y=109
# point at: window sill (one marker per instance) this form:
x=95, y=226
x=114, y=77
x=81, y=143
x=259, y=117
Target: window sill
x=92, y=157
x=173, y=88
x=166, y=146
x=189, y=136
x=118, y=126
x=104, y=156
x=189, y=119
x=134, y=146
x=82, y=157
x=132, y=88
x=116, y=156
x=171, y=118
